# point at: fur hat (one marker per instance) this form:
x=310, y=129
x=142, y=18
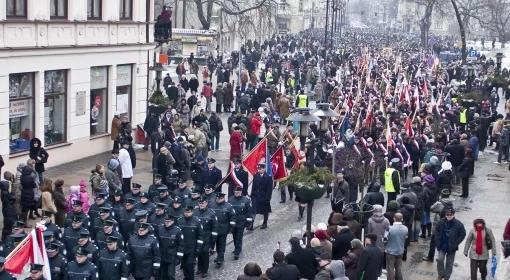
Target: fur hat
x=446, y=165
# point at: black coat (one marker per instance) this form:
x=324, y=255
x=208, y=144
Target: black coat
x=242, y=175
x=466, y=168
x=342, y=244
x=8, y=203
x=304, y=260
x=456, y=151
x=38, y=154
x=283, y=272
x=374, y=196
x=210, y=176
x=370, y=263
x=261, y=192
x=143, y=252
x=28, y=184
x=456, y=234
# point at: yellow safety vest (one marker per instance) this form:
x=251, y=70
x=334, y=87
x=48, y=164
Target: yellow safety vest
x=463, y=117
x=388, y=180
x=269, y=77
x=302, y=101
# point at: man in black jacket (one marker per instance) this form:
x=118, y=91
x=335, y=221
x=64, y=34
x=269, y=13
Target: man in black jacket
x=151, y=128
x=371, y=260
x=303, y=259
x=456, y=151
x=112, y=262
x=282, y=270
x=342, y=243
x=171, y=247
x=448, y=235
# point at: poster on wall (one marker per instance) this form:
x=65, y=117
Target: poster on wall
x=81, y=103
x=18, y=108
x=122, y=103
x=124, y=75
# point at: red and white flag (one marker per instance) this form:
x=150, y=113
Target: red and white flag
x=278, y=165
x=231, y=175
x=255, y=156
x=31, y=250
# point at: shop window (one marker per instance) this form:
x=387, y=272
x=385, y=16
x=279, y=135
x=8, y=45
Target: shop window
x=124, y=88
x=98, y=100
x=125, y=11
x=58, y=8
x=16, y=8
x=55, y=88
x=94, y=9
x=21, y=111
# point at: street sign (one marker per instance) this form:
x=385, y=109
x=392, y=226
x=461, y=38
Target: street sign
x=472, y=55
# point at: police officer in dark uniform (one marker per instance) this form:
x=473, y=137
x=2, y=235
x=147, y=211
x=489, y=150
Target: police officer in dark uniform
x=71, y=235
x=182, y=191
x=15, y=239
x=127, y=218
x=134, y=193
x=36, y=272
x=211, y=175
x=242, y=175
x=17, y=229
x=58, y=262
x=194, y=198
x=145, y=203
x=81, y=268
x=84, y=242
x=163, y=197
x=193, y=241
x=209, y=194
x=226, y=219
x=142, y=217
x=100, y=201
x=4, y=275
x=209, y=232
x=154, y=188
x=261, y=192
x=112, y=261
x=176, y=208
x=98, y=223
x=78, y=211
x=50, y=226
x=143, y=252
x=109, y=229
x=49, y=237
x=242, y=208
x=157, y=218
x=171, y=246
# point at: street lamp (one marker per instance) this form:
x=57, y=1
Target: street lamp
x=158, y=67
x=470, y=75
x=325, y=113
x=499, y=59
x=303, y=118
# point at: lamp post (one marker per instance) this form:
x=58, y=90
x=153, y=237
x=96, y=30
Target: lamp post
x=499, y=59
x=470, y=76
x=158, y=67
x=325, y=113
x=303, y=118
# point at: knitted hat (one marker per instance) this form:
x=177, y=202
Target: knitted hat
x=321, y=234
x=446, y=165
x=393, y=205
x=356, y=243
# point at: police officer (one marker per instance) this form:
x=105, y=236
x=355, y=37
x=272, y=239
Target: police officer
x=209, y=232
x=112, y=262
x=15, y=239
x=392, y=180
x=98, y=223
x=100, y=201
x=58, y=262
x=242, y=175
x=48, y=223
x=193, y=241
x=134, y=193
x=226, y=219
x=143, y=252
x=117, y=203
x=84, y=242
x=209, y=194
x=78, y=211
x=194, y=198
x=127, y=218
x=145, y=203
x=36, y=272
x=109, y=229
x=72, y=234
x=17, y=229
x=302, y=100
x=163, y=197
x=176, y=209
x=261, y=192
x=171, y=246
x=49, y=237
x=211, y=175
x=157, y=218
x=242, y=208
x=142, y=217
x=81, y=268
x=182, y=191
x=154, y=188
x=4, y=275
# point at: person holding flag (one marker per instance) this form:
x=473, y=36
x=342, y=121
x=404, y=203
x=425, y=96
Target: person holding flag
x=238, y=177
x=261, y=192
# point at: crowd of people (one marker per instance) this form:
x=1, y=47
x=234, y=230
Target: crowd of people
x=404, y=124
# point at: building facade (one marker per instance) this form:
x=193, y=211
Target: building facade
x=66, y=67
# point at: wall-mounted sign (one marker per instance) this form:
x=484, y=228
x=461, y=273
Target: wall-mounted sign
x=18, y=108
x=81, y=103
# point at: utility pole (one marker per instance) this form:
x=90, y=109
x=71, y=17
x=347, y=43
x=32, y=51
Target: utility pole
x=326, y=27
x=184, y=14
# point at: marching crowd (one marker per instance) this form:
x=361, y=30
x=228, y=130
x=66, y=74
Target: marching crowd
x=404, y=125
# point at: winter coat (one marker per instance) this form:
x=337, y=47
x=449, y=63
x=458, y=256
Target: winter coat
x=456, y=151
x=98, y=182
x=228, y=94
x=17, y=187
x=466, y=168
x=470, y=245
x=342, y=244
x=370, y=263
x=125, y=163
x=47, y=203
x=115, y=131
x=60, y=203
x=283, y=271
x=8, y=202
x=374, y=196
x=283, y=106
x=444, y=179
x=219, y=94
x=236, y=144
x=38, y=154
x=456, y=234
x=28, y=182
x=113, y=179
x=261, y=192
x=351, y=262
x=378, y=224
x=337, y=270
x=304, y=260
x=323, y=274
x=151, y=124
x=193, y=85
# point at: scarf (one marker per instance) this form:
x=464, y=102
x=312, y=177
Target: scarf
x=479, y=240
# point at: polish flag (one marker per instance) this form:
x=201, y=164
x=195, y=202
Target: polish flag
x=31, y=250
x=278, y=165
x=256, y=155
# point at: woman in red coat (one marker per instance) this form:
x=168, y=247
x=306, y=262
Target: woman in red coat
x=236, y=143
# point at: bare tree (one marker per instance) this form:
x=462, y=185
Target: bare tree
x=426, y=19
x=458, y=15
x=492, y=15
x=229, y=7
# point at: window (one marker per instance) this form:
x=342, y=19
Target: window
x=16, y=8
x=98, y=100
x=21, y=111
x=94, y=9
x=58, y=8
x=125, y=9
x=124, y=80
x=55, y=88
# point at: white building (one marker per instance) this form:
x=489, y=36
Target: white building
x=65, y=67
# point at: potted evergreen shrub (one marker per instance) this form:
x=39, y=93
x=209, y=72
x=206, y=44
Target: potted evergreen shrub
x=158, y=103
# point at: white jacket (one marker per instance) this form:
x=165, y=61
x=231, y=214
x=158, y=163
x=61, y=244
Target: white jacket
x=503, y=270
x=125, y=163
